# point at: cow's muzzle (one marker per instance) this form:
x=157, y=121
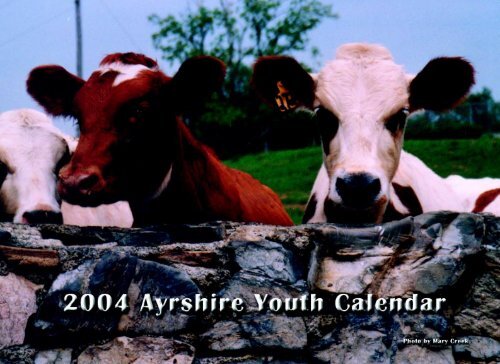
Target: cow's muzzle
x=81, y=187
x=358, y=190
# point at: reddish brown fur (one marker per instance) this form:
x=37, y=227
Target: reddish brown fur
x=485, y=199
x=130, y=137
x=224, y=194
x=442, y=84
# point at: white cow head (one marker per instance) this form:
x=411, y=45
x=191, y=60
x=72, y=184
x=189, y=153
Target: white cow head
x=31, y=152
x=361, y=101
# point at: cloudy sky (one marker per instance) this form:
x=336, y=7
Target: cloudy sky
x=42, y=32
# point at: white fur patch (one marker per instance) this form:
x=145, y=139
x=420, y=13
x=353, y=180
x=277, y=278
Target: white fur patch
x=117, y=214
x=432, y=191
x=469, y=189
x=125, y=71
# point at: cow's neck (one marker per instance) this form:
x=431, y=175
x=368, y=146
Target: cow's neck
x=184, y=196
x=416, y=189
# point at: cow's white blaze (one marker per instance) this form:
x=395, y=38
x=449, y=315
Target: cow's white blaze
x=125, y=71
x=31, y=147
x=363, y=87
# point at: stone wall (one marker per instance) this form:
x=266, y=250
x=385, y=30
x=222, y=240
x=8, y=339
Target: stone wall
x=441, y=255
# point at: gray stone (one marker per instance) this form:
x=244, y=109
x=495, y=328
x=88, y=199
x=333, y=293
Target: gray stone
x=479, y=316
x=248, y=359
x=265, y=258
x=111, y=275
x=361, y=339
x=275, y=331
x=4, y=236
x=246, y=285
x=26, y=236
x=439, y=263
x=56, y=356
x=360, y=347
x=208, y=279
x=352, y=277
x=382, y=260
x=114, y=274
x=375, y=338
x=257, y=332
x=17, y=354
x=477, y=347
x=138, y=350
x=415, y=354
x=226, y=336
x=17, y=304
x=162, y=281
x=90, y=235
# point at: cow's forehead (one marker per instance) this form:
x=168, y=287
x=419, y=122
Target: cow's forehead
x=362, y=80
x=37, y=145
x=114, y=84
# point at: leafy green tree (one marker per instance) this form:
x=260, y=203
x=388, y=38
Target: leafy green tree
x=240, y=31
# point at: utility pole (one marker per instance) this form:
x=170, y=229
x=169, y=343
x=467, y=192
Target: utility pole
x=79, y=68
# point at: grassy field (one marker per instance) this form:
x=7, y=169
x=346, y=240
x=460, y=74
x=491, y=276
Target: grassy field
x=291, y=173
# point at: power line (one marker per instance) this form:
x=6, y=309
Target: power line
x=122, y=27
x=79, y=49
x=33, y=28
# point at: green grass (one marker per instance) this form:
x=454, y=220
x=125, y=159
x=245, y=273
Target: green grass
x=291, y=173
x=468, y=158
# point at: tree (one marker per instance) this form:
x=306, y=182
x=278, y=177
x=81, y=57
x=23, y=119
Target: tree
x=240, y=31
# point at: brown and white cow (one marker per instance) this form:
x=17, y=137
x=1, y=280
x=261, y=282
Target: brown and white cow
x=134, y=146
x=362, y=100
x=32, y=150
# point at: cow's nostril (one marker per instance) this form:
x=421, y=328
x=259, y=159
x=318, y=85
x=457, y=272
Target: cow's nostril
x=86, y=182
x=358, y=190
x=373, y=187
x=42, y=217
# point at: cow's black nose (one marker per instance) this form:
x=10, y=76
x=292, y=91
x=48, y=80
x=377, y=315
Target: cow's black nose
x=358, y=190
x=42, y=217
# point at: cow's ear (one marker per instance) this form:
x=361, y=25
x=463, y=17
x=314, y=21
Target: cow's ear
x=282, y=83
x=195, y=81
x=54, y=88
x=442, y=84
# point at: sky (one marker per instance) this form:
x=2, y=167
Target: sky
x=33, y=33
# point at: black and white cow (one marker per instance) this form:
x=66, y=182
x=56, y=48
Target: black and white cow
x=32, y=150
x=361, y=101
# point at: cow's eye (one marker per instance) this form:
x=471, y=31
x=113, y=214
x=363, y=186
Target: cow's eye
x=4, y=170
x=328, y=126
x=397, y=121
x=63, y=161
x=137, y=113
x=136, y=116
